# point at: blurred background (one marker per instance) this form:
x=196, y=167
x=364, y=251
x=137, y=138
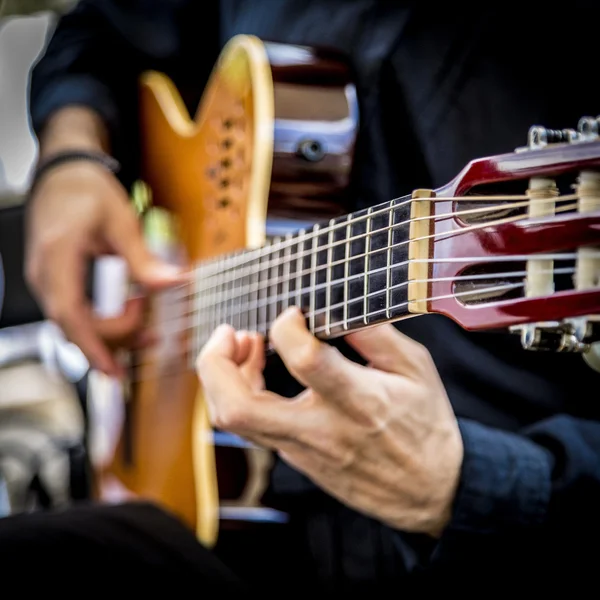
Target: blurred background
x=23, y=31
x=42, y=378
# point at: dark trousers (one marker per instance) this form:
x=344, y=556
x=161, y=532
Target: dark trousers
x=135, y=546
x=327, y=550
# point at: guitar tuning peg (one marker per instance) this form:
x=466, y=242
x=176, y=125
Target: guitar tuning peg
x=589, y=127
x=540, y=137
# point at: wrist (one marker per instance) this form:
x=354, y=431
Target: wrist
x=443, y=501
x=61, y=158
x=73, y=128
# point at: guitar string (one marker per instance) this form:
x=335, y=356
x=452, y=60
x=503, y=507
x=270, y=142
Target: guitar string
x=375, y=211
x=221, y=262
x=238, y=305
x=245, y=307
x=228, y=262
x=257, y=286
x=271, y=283
x=257, y=267
x=200, y=290
x=262, y=302
x=250, y=306
x=184, y=353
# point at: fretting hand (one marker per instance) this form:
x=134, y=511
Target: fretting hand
x=381, y=438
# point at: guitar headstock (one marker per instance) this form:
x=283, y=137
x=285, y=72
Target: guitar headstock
x=514, y=241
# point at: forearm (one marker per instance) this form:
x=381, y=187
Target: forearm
x=524, y=499
x=73, y=128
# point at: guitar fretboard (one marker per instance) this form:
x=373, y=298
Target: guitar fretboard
x=344, y=274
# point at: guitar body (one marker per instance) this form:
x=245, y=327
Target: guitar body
x=269, y=149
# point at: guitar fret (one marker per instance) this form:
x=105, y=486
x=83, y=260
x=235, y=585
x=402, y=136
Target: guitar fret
x=227, y=282
x=262, y=300
x=346, y=270
x=328, y=269
x=217, y=295
x=366, y=279
x=202, y=317
x=273, y=271
x=388, y=273
x=254, y=278
x=399, y=274
x=210, y=306
x=313, y=277
x=379, y=268
x=242, y=300
x=243, y=303
x=286, y=273
x=299, y=264
x=356, y=272
x=233, y=299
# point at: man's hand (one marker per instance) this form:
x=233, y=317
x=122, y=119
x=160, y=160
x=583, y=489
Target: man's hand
x=382, y=438
x=80, y=210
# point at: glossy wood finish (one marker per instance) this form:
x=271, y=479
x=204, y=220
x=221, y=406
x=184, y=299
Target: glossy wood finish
x=562, y=232
x=216, y=173
x=316, y=121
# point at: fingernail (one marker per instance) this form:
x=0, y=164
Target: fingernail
x=223, y=330
x=168, y=271
x=292, y=311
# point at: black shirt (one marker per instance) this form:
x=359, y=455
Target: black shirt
x=438, y=85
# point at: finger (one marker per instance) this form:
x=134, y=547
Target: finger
x=122, y=330
x=243, y=347
x=313, y=363
x=233, y=404
x=389, y=350
x=254, y=365
x=124, y=234
x=66, y=305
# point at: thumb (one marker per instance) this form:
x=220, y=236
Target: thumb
x=123, y=233
x=386, y=349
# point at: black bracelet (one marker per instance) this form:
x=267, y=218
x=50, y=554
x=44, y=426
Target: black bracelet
x=108, y=162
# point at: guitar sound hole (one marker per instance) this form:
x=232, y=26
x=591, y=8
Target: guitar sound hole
x=223, y=203
x=224, y=183
x=226, y=163
x=227, y=123
x=227, y=143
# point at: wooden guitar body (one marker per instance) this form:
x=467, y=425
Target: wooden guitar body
x=270, y=149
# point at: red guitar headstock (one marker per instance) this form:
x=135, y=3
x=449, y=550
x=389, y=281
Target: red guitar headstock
x=514, y=241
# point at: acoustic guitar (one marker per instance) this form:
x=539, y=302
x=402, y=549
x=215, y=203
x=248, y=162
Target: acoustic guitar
x=254, y=186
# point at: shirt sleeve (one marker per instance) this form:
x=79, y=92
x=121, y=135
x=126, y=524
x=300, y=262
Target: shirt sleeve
x=96, y=54
x=523, y=499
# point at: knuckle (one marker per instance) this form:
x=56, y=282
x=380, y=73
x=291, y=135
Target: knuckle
x=61, y=311
x=342, y=457
x=201, y=362
x=335, y=447
x=231, y=418
x=421, y=355
x=47, y=244
x=31, y=272
x=54, y=311
x=309, y=357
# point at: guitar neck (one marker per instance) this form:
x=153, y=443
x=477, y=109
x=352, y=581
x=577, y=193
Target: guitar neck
x=345, y=274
